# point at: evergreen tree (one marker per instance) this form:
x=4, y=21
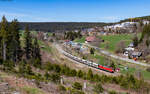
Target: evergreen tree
x=36, y=49
x=73, y=72
x=46, y=75
x=28, y=43
x=135, y=41
x=90, y=75
x=146, y=35
x=92, y=50
x=80, y=74
x=4, y=35
x=14, y=41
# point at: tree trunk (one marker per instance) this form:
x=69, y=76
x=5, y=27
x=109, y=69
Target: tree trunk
x=4, y=51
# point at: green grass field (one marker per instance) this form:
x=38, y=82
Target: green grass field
x=44, y=46
x=82, y=40
x=112, y=40
x=101, y=59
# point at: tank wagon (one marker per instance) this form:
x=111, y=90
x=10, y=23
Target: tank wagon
x=89, y=63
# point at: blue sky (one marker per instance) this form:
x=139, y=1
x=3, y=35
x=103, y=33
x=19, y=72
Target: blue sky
x=73, y=10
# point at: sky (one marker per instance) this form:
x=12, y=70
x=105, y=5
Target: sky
x=73, y=10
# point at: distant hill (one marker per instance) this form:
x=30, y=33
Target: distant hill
x=59, y=26
x=136, y=19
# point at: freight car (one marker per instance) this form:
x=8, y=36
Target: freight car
x=89, y=63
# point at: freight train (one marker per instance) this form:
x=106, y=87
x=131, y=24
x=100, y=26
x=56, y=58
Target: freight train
x=89, y=63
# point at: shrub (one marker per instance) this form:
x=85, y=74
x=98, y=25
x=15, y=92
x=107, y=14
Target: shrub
x=73, y=72
x=8, y=65
x=56, y=68
x=77, y=86
x=98, y=88
x=74, y=91
x=112, y=92
x=96, y=77
x=148, y=69
x=46, y=75
x=92, y=50
x=90, y=74
x=37, y=63
x=48, y=66
x=62, y=88
x=55, y=78
x=80, y=74
x=135, y=41
x=113, y=65
x=28, y=70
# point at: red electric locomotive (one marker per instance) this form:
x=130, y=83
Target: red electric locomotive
x=105, y=68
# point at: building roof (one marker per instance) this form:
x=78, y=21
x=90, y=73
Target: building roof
x=131, y=45
x=137, y=53
x=90, y=38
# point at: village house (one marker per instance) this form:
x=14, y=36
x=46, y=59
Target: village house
x=129, y=49
x=76, y=46
x=90, y=39
x=145, y=22
x=131, y=52
x=123, y=27
x=135, y=54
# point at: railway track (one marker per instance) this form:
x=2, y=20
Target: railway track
x=85, y=62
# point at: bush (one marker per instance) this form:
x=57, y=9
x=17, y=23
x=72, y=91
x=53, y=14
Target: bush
x=112, y=92
x=135, y=41
x=9, y=65
x=74, y=91
x=28, y=70
x=113, y=65
x=55, y=78
x=80, y=74
x=90, y=74
x=96, y=77
x=56, y=68
x=62, y=88
x=148, y=69
x=48, y=66
x=92, y=50
x=46, y=75
x=37, y=63
x=73, y=72
x=77, y=86
x=98, y=88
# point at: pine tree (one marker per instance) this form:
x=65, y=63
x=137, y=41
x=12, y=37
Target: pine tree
x=90, y=75
x=80, y=74
x=36, y=50
x=135, y=41
x=4, y=35
x=92, y=50
x=14, y=41
x=28, y=43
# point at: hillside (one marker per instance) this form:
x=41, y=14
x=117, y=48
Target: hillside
x=59, y=26
x=136, y=19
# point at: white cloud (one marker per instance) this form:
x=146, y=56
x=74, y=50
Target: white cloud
x=111, y=18
x=21, y=16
